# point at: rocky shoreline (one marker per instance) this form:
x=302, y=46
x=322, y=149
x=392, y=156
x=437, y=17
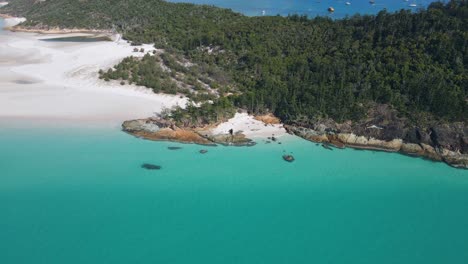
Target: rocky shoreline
x=158, y=129
x=383, y=130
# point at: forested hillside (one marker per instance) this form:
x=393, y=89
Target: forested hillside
x=294, y=66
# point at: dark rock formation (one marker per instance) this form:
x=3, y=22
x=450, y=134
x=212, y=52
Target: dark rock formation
x=236, y=139
x=148, y=166
x=326, y=146
x=174, y=148
x=288, y=158
x=383, y=129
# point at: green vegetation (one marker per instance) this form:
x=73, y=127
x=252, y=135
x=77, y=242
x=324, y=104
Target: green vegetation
x=144, y=72
x=292, y=66
x=203, y=114
x=163, y=73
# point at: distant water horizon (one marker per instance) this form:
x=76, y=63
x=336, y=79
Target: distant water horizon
x=312, y=8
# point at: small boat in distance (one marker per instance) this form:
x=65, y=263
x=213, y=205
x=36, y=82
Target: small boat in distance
x=263, y=12
x=413, y=5
x=348, y=3
x=331, y=9
x=372, y=2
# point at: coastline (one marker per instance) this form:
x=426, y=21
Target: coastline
x=241, y=130
x=455, y=159
x=85, y=78
x=57, y=30
x=50, y=80
x=245, y=133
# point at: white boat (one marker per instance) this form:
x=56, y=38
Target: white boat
x=263, y=12
x=348, y=3
x=413, y=5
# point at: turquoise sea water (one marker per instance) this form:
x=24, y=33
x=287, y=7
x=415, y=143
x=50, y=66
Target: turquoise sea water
x=78, y=195
x=312, y=7
x=71, y=193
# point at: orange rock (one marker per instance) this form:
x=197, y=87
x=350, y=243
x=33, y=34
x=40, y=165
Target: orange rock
x=268, y=119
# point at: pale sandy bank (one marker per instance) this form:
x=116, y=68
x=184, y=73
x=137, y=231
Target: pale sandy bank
x=45, y=80
x=59, y=80
x=250, y=127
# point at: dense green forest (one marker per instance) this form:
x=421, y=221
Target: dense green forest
x=293, y=66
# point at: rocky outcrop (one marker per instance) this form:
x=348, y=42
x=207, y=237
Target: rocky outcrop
x=268, y=119
x=455, y=159
x=163, y=130
x=383, y=129
x=236, y=139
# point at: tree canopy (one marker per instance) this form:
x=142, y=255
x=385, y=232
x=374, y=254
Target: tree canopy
x=294, y=66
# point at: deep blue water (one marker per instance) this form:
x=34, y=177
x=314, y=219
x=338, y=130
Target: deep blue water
x=312, y=8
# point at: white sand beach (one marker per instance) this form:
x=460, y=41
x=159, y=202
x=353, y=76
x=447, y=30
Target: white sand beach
x=59, y=80
x=43, y=80
x=250, y=127
x=12, y=21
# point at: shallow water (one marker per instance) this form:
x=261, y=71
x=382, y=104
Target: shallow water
x=76, y=193
x=79, y=195
x=311, y=8
x=79, y=39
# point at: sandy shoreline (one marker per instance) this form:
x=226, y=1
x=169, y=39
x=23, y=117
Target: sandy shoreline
x=250, y=127
x=55, y=31
x=59, y=81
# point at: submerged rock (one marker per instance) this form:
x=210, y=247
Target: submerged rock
x=203, y=151
x=174, y=148
x=326, y=146
x=288, y=158
x=148, y=166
